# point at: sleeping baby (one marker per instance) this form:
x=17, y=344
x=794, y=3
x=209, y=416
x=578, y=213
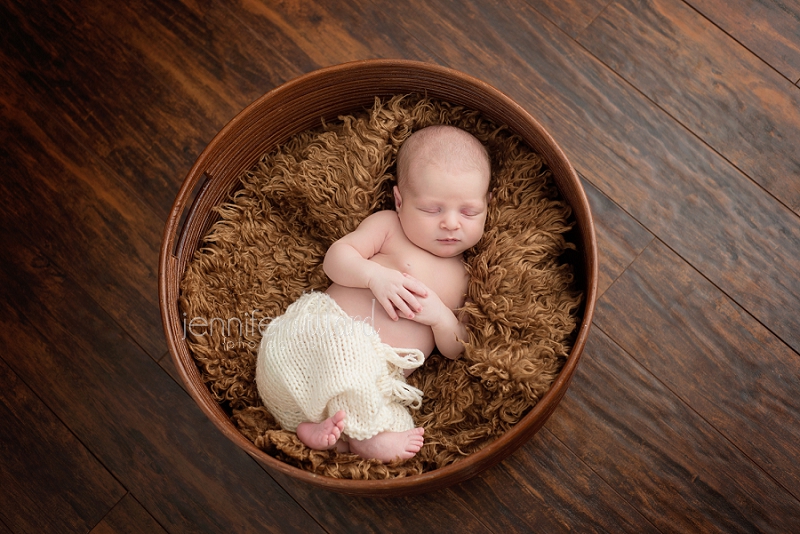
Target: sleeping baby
x=332, y=368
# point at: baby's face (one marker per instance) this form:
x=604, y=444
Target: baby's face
x=443, y=209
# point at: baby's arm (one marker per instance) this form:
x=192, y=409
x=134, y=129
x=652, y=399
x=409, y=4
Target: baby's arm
x=347, y=263
x=450, y=335
x=448, y=331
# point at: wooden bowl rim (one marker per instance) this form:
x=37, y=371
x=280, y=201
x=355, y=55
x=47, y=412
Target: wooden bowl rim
x=169, y=281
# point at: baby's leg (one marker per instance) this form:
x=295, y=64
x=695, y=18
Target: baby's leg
x=324, y=435
x=388, y=446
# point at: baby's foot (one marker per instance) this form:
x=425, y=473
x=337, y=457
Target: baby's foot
x=324, y=435
x=388, y=446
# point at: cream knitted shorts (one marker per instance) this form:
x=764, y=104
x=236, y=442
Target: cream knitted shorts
x=315, y=360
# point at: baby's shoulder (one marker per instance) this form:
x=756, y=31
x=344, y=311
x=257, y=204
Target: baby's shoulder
x=388, y=217
x=385, y=222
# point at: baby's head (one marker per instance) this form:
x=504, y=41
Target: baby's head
x=442, y=187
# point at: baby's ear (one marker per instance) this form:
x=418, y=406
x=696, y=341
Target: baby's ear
x=398, y=200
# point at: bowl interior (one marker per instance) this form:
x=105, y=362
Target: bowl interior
x=297, y=106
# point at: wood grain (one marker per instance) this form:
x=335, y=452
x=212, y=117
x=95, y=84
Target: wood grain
x=716, y=218
x=730, y=369
x=741, y=107
x=49, y=482
x=435, y=512
x=189, y=46
x=687, y=424
x=544, y=487
x=660, y=455
x=168, y=366
x=139, y=124
x=769, y=28
x=128, y=517
x=572, y=17
x=61, y=197
x=620, y=238
x=123, y=407
x=334, y=32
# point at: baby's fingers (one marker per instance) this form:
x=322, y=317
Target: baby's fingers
x=404, y=307
x=415, y=286
x=389, y=308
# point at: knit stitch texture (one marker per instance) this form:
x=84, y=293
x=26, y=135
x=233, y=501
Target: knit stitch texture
x=315, y=360
x=523, y=301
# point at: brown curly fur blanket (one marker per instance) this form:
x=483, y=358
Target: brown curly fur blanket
x=267, y=247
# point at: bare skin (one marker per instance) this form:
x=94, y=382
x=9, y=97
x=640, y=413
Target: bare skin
x=324, y=435
x=403, y=272
x=435, y=286
x=385, y=447
x=388, y=446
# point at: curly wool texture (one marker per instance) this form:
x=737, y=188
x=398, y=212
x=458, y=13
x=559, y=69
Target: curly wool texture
x=267, y=248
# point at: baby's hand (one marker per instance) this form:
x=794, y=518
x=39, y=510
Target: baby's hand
x=448, y=332
x=433, y=311
x=398, y=292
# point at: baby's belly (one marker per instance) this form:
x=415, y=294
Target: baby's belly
x=403, y=333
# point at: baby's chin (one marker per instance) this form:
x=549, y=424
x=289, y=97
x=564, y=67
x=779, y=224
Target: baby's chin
x=441, y=255
x=447, y=251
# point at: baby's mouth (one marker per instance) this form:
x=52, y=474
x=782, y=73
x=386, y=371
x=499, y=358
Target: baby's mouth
x=448, y=240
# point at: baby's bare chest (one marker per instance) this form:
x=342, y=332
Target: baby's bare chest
x=447, y=277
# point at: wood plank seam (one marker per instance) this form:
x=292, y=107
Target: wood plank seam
x=721, y=291
x=51, y=418
x=609, y=40
x=621, y=209
x=288, y=491
x=793, y=209
x=672, y=303
x=737, y=40
x=111, y=509
x=88, y=293
x=469, y=508
x=55, y=415
x=598, y=15
x=600, y=476
x=710, y=424
x=102, y=166
x=167, y=356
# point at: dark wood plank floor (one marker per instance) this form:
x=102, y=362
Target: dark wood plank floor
x=683, y=119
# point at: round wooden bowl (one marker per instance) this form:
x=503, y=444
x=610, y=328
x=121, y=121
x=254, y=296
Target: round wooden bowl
x=299, y=105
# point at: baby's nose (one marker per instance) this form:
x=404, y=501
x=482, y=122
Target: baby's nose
x=450, y=221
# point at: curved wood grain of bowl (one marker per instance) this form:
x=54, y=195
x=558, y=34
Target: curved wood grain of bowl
x=298, y=105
